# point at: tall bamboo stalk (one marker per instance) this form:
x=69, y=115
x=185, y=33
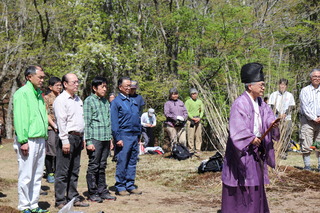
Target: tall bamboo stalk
x=214, y=113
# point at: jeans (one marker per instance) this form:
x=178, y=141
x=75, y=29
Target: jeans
x=67, y=170
x=96, y=173
x=127, y=157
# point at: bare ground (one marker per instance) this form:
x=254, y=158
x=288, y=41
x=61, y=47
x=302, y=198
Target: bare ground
x=174, y=186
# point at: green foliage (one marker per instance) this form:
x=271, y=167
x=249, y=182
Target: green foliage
x=162, y=43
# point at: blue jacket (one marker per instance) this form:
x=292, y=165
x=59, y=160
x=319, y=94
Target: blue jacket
x=125, y=117
x=139, y=100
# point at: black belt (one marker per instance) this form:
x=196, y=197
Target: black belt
x=76, y=133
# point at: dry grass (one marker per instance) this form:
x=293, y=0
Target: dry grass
x=168, y=185
x=172, y=186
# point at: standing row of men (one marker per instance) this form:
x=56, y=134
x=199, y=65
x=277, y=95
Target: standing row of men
x=90, y=124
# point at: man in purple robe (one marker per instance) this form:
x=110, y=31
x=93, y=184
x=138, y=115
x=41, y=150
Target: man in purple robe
x=245, y=164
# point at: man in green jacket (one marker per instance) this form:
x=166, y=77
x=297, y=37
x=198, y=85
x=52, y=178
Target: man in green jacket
x=195, y=109
x=31, y=124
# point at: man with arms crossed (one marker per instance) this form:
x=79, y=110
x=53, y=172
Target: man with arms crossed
x=282, y=103
x=310, y=118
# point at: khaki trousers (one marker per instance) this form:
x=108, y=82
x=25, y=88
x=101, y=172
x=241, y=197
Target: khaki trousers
x=176, y=134
x=194, y=135
x=309, y=132
x=286, y=130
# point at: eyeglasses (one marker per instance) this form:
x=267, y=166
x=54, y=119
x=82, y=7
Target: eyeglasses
x=316, y=76
x=74, y=82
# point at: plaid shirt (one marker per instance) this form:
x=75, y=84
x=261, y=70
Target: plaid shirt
x=97, y=119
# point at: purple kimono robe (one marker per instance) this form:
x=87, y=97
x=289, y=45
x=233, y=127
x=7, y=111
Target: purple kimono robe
x=245, y=168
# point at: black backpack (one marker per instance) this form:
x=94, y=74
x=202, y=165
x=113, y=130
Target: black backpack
x=180, y=152
x=213, y=164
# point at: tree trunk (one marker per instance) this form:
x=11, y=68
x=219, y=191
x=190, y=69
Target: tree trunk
x=9, y=120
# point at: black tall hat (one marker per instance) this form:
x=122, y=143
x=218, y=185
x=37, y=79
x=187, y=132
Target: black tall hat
x=252, y=72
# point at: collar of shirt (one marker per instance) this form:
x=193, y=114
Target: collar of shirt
x=51, y=95
x=312, y=88
x=98, y=97
x=124, y=97
x=68, y=96
x=37, y=92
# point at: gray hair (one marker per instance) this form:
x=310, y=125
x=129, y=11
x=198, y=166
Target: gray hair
x=173, y=90
x=314, y=70
x=31, y=70
x=246, y=85
x=193, y=90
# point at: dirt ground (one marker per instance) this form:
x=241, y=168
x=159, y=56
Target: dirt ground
x=174, y=186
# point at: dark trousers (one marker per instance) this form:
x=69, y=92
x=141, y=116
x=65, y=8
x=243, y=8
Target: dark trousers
x=51, y=150
x=127, y=157
x=67, y=171
x=147, y=133
x=96, y=173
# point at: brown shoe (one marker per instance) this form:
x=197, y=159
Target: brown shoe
x=81, y=204
x=135, y=192
x=123, y=193
x=60, y=206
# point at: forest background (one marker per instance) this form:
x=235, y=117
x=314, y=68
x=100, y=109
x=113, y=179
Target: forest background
x=161, y=44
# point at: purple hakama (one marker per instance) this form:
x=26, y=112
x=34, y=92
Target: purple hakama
x=245, y=165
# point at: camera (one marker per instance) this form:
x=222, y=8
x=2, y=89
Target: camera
x=192, y=123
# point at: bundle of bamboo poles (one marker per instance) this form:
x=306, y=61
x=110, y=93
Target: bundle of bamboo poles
x=217, y=117
x=214, y=113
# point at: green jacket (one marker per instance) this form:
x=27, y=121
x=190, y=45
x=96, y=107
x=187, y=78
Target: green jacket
x=29, y=114
x=195, y=108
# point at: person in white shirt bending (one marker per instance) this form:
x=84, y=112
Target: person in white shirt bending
x=148, y=122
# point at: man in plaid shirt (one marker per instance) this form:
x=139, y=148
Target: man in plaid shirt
x=97, y=136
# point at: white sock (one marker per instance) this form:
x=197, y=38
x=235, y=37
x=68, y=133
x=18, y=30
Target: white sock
x=306, y=159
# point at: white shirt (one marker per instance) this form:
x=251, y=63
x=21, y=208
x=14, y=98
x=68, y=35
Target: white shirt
x=257, y=125
x=68, y=111
x=146, y=119
x=282, y=102
x=310, y=102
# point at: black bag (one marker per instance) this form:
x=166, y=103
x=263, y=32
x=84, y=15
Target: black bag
x=213, y=164
x=180, y=152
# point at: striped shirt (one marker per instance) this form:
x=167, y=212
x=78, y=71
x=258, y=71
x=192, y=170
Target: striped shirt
x=97, y=119
x=310, y=102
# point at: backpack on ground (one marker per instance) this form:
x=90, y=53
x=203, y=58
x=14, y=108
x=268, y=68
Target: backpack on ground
x=180, y=151
x=213, y=164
